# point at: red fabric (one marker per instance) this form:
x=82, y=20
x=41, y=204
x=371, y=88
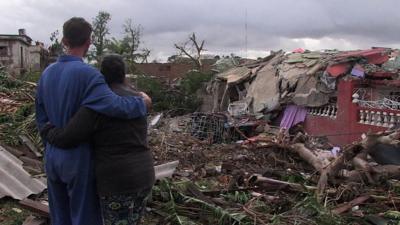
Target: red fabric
x=338, y=69
x=299, y=50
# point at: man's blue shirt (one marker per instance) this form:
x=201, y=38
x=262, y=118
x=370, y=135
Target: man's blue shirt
x=63, y=88
x=69, y=84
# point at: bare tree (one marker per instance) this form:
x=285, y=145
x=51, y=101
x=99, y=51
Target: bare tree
x=132, y=39
x=129, y=45
x=145, y=55
x=100, y=32
x=192, y=49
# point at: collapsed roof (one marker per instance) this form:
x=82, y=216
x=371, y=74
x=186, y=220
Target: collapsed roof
x=303, y=78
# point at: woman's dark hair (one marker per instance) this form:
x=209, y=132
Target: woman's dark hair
x=113, y=68
x=76, y=31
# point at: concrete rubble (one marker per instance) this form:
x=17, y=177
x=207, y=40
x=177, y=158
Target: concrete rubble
x=305, y=79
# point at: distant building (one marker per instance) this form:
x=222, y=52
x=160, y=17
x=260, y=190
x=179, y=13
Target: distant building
x=39, y=57
x=18, y=54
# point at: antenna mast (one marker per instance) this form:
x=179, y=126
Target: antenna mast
x=245, y=30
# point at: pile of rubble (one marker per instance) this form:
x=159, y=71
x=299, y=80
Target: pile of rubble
x=303, y=78
x=275, y=178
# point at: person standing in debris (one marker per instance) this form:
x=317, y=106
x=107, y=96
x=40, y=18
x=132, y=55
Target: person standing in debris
x=63, y=87
x=124, y=165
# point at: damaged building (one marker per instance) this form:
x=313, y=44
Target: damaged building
x=335, y=94
x=18, y=54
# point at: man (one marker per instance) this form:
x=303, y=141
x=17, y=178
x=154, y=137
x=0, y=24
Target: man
x=63, y=87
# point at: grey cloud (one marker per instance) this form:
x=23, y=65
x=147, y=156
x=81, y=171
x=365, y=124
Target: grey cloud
x=272, y=24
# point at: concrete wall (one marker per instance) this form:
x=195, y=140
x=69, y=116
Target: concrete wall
x=36, y=63
x=5, y=58
x=17, y=59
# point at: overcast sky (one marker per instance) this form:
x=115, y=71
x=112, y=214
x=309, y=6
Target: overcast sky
x=271, y=24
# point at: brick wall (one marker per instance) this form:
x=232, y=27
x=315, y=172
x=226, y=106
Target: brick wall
x=167, y=71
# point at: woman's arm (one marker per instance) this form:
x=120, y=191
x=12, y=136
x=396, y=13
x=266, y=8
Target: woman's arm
x=79, y=129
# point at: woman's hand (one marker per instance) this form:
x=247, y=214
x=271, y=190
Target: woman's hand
x=147, y=100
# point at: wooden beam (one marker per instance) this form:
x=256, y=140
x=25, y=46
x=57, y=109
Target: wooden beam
x=36, y=207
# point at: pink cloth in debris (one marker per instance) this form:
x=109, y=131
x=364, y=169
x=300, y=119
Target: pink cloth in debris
x=293, y=115
x=299, y=50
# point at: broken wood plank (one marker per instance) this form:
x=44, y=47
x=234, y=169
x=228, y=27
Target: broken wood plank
x=31, y=162
x=33, y=170
x=36, y=207
x=349, y=205
x=32, y=220
x=28, y=143
x=17, y=153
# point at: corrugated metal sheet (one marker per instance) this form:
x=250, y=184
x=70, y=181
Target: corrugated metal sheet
x=14, y=180
x=235, y=75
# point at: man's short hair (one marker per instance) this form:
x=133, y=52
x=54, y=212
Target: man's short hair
x=113, y=68
x=76, y=32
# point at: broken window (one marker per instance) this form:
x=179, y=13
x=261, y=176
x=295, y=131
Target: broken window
x=3, y=51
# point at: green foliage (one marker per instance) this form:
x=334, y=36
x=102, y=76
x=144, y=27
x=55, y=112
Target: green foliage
x=117, y=46
x=23, y=120
x=240, y=197
x=181, y=99
x=181, y=209
x=193, y=81
x=309, y=206
x=8, y=83
x=129, y=45
x=32, y=77
x=10, y=214
x=56, y=47
x=393, y=215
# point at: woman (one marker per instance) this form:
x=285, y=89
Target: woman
x=123, y=162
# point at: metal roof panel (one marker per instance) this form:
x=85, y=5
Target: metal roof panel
x=14, y=180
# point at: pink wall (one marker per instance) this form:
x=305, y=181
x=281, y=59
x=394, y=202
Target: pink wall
x=345, y=128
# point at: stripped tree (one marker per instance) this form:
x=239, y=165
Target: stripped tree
x=100, y=32
x=132, y=40
x=193, y=49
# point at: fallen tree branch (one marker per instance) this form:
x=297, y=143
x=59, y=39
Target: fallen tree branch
x=332, y=170
x=361, y=164
x=347, y=206
x=309, y=156
x=386, y=171
x=258, y=179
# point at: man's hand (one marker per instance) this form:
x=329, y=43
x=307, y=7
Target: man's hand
x=147, y=100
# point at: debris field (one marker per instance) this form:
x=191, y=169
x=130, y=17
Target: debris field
x=259, y=154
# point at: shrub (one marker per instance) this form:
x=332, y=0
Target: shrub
x=180, y=99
